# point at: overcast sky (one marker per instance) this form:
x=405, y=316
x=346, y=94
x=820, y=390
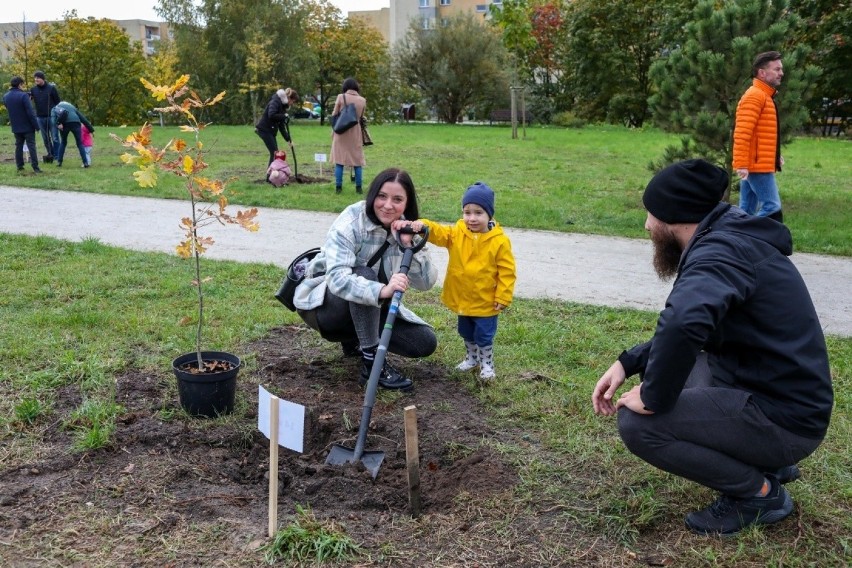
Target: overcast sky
x=39, y=10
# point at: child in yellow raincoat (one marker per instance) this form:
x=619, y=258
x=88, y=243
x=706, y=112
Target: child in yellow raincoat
x=480, y=275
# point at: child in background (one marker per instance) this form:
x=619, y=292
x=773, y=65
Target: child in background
x=88, y=143
x=279, y=173
x=480, y=275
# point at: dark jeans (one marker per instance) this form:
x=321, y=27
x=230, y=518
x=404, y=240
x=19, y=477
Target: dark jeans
x=715, y=435
x=49, y=134
x=336, y=320
x=27, y=138
x=75, y=129
x=270, y=140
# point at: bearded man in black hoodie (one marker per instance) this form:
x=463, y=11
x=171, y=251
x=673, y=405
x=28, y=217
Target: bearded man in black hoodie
x=735, y=387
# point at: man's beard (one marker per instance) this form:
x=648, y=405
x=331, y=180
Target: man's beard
x=667, y=252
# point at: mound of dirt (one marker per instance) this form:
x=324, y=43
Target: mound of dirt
x=164, y=468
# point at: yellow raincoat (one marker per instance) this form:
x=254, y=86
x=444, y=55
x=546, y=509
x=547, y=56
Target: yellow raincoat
x=481, y=270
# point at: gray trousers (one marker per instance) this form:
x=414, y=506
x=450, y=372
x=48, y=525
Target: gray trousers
x=339, y=320
x=715, y=435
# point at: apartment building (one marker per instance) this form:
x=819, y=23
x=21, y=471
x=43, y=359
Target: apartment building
x=393, y=22
x=144, y=31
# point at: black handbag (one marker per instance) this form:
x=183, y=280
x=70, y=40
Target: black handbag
x=346, y=119
x=294, y=277
x=296, y=273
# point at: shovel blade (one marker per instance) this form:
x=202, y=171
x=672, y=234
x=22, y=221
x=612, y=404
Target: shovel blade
x=340, y=455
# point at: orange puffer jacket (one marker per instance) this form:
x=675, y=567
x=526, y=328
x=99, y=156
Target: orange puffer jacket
x=756, y=130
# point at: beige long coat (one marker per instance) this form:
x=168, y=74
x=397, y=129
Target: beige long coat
x=347, y=149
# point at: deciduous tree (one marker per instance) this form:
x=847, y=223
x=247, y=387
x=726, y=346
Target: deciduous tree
x=455, y=66
x=827, y=29
x=347, y=48
x=95, y=66
x=217, y=39
x=611, y=48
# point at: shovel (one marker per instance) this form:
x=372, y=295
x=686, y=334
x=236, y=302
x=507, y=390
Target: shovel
x=372, y=460
x=295, y=162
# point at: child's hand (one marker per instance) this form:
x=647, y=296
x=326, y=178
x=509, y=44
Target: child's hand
x=499, y=307
x=417, y=226
x=400, y=224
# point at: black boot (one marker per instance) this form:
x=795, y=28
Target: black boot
x=389, y=378
x=777, y=216
x=358, y=189
x=338, y=188
x=350, y=348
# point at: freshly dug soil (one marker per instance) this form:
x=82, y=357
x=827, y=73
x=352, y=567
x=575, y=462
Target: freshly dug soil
x=165, y=472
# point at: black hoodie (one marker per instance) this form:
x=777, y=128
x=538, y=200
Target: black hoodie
x=739, y=298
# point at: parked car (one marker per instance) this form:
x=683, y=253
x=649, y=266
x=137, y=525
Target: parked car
x=307, y=110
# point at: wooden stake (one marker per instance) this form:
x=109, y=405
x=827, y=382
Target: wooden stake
x=273, y=465
x=412, y=459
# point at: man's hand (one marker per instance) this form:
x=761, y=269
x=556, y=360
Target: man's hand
x=605, y=389
x=742, y=173
x=632, y=400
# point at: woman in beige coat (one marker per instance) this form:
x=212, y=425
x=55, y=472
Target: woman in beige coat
x=347, y=149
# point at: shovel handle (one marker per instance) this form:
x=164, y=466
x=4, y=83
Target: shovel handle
x=414, y=247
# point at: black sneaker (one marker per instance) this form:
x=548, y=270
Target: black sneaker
x=729, y=515
x=787, y=474
x=350, y=348
x=390, y=378
x=37, y=170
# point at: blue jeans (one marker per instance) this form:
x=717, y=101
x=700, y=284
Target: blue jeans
x=338, y=175
x=759, y=190
x=75, y=129
x=479, y=330
x=49, y=134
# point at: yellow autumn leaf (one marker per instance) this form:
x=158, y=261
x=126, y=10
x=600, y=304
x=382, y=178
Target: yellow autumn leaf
x=186, y=128
x=182, y=80
x=188, y=164
x=184, y=249
x=179, y=145
x=217, y=98
x=157, y=91
x=146, y=176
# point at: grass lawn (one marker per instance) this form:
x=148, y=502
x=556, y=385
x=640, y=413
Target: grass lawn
x=82, y=313
x=76, y=316
x=588, y=180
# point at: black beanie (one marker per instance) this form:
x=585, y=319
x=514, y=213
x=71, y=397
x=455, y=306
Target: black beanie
x=685, y=192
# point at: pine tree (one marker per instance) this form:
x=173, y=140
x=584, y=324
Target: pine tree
x=700, y=83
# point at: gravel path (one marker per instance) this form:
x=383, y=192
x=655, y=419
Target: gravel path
x=589, y=269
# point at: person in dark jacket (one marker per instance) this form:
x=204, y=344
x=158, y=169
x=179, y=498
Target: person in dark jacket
x=275, y=119
x=23, y=121
x=45, y=96
x=736, y=387
x=69, y=119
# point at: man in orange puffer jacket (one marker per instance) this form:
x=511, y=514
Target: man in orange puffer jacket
x=757, y=143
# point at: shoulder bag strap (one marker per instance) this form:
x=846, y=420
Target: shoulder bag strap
x=375, y=258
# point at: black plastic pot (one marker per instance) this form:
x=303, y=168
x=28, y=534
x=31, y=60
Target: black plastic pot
x=207, y=394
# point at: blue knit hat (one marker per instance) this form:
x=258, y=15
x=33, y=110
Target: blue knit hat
x=482, y=195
